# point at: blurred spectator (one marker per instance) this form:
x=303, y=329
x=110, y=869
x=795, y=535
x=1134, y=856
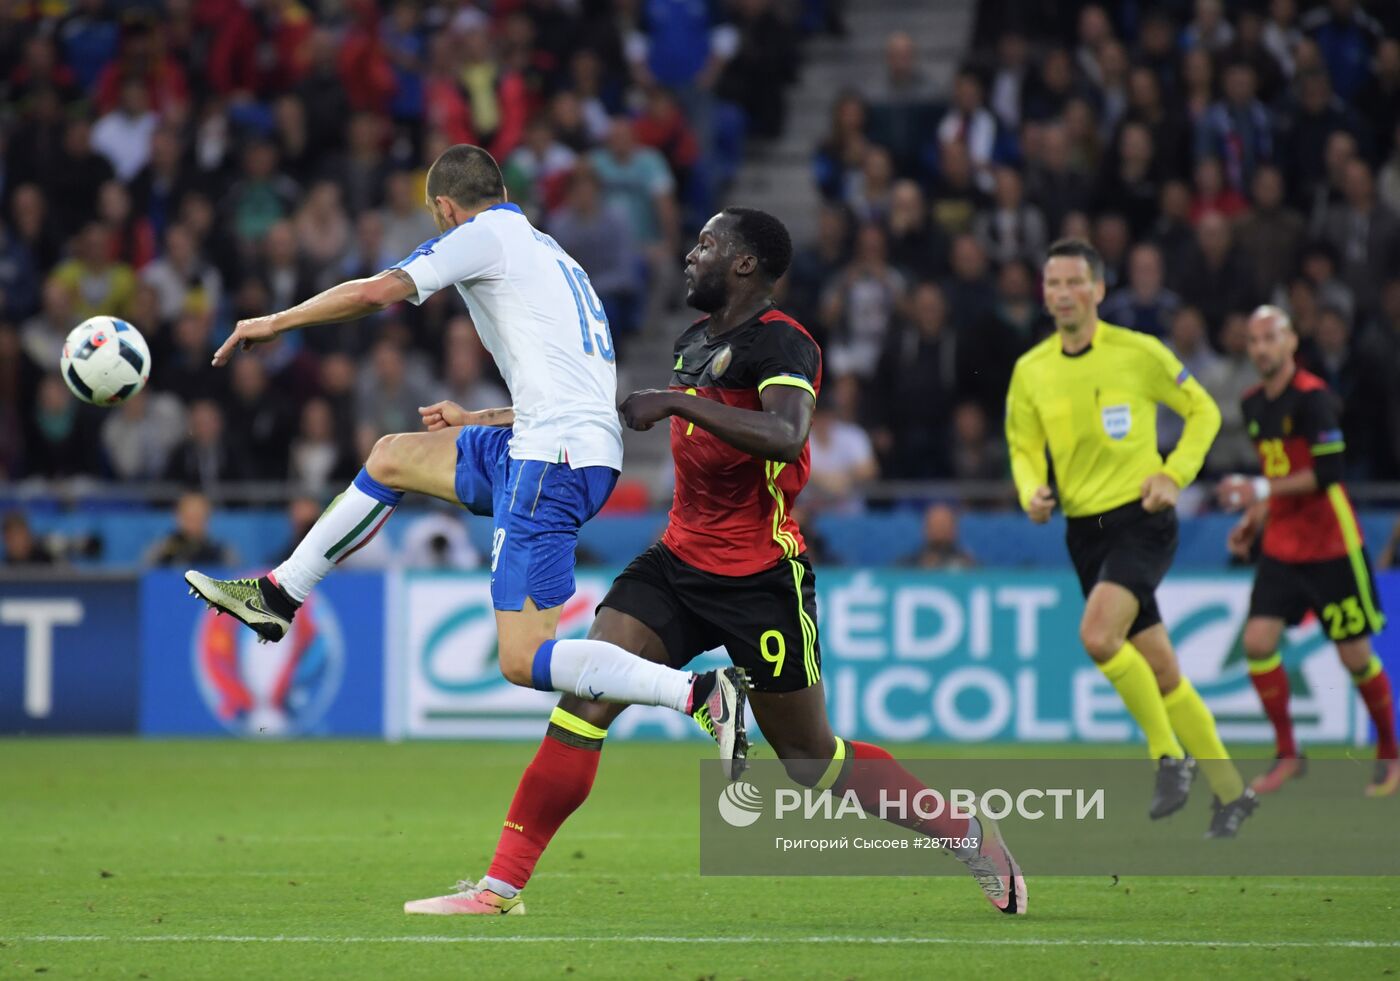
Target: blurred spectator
x=43, y=334
x=921, y=365
x=1165, y=124
x=1365, y=234
x=360, y=173
x=1188, y=340
x=21, y=547
x=1053, y=184
x=1172, y=231
x=1237, y=129
x=1388, y=180
x=1011, y=228
x=182, y=365
x=955, y=197
x=407, y=223
x=317, y=459
x=182, y=279
x=1281, y=33
x=842, y=150
x=261, y=197
x=18, y=285
x=1112, y=237
x=495, y=93
x=99, y=285
x=1249, y=48
x=1144, y=304
x=133, y=239
x=1233, y=450
x=1379, y=101
x=842, y=456
x=124, y=135
x=1347, y=36
x=941, y=548
x=1330, y=193
x=61, y=438
x=537, y=172
x=858, y=305
x=282, y=270
x=464, y=363
x=1213, y=195
x=1051, y=88
x=139, y=435
x=600, y=236
x=1009, y=78
x=322, y=230
x=868, y=190
x=1271, y=234
x=31, y=227
x=977, y=455
x=319, y=86
x=1208, y=29
x=1014, y=323
x=389, y=391
x=190, y=544
x=1213, y=278
x=263, y=419
x=763, y=65
x=1319, y=268
x=1131, y=185
x=969, y=122
x=636, y=180
x=1307, y=123
x=917, y=247
x=816, y=265
x=203, y=459
x=967, y=287
x=70, y=184
x=438, y=540
x=1332, y=360
x=142, y=55
x=902, y=104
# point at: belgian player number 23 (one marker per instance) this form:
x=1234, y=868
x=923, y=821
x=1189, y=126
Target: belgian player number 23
x=1275, y=457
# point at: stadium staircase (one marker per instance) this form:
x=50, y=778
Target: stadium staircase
x=776, y=176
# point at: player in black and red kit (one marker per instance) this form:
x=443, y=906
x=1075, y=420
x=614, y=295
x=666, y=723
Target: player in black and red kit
x=1312, y=557
x=730, y=569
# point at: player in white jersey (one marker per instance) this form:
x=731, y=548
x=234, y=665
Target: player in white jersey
x=540, y=468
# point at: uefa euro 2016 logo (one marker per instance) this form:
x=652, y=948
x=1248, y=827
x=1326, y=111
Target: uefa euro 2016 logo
x=281, y=689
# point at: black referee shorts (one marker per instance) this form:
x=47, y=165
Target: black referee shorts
x=767, y=621
x=1127, y=547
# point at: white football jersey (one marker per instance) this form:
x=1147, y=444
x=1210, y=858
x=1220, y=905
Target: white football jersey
x=538, y=315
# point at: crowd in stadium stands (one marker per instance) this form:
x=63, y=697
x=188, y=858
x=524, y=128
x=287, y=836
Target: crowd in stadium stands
x=1217, y=162
x=186, y=163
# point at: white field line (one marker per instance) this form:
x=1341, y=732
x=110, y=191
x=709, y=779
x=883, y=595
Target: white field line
x=825, y=939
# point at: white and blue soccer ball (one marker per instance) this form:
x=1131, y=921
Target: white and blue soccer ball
x=105, y=361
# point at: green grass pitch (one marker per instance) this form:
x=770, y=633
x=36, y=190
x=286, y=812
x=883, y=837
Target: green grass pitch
x=183, y=860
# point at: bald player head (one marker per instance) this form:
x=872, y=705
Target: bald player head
x=1272, y=342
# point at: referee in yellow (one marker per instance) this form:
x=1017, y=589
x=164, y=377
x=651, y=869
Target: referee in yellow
x=1090, y=393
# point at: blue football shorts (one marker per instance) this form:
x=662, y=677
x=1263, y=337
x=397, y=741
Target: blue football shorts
x=538, y=509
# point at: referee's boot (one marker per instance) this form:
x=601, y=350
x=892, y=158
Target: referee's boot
x=259, y=604
x=1226, y=819
x=717, y=703
x=1174, y=779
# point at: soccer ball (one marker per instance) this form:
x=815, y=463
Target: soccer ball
x=105, y=361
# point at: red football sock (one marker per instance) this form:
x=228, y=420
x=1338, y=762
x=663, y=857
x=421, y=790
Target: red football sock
x=1272, y=686
x=1375, y=692
x=554, y=785
x=872, y=770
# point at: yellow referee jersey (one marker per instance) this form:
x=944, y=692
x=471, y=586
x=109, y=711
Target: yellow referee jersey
x=1097, y=411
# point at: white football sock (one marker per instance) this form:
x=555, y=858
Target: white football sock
x=352, y=519
x=604, y=672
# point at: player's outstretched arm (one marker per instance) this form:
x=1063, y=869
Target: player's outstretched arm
x=778, y=431
x=348, y=301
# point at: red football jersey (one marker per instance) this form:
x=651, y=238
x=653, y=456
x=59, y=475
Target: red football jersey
x=1301, y=430
x=732, y=512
